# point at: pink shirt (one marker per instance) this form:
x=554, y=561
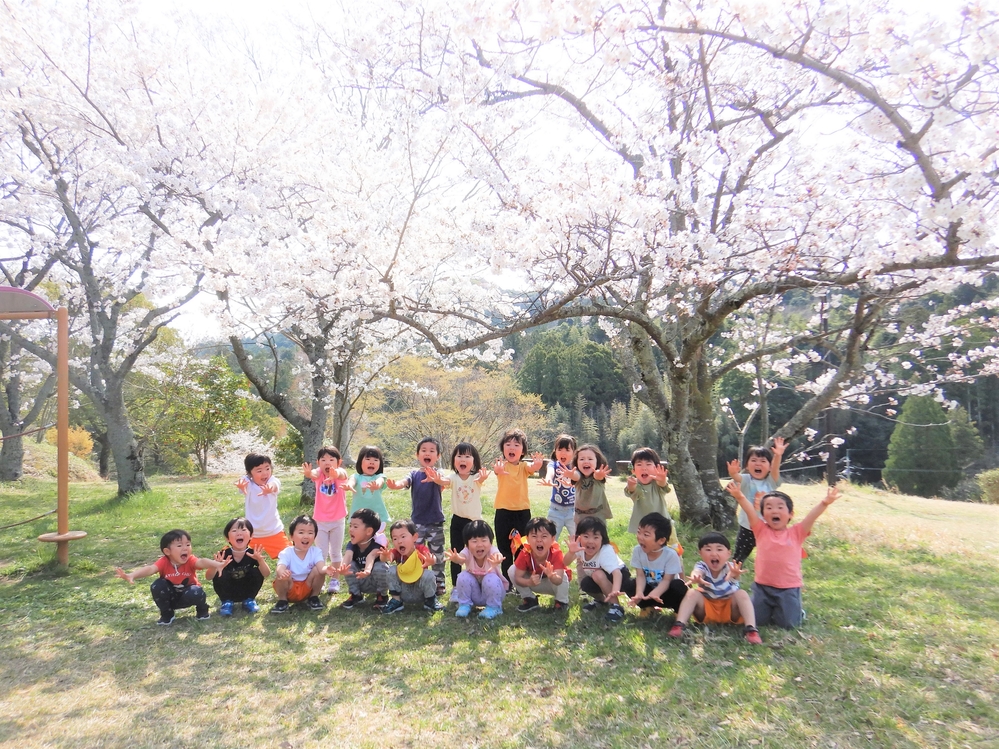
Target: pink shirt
x=331, y=502
x=778, y=555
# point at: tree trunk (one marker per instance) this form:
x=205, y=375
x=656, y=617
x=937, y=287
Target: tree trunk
x=103, y=455
x=313, y=437
x=695, y=507
x=125, y=448
x=703, y=446
x=12, y=459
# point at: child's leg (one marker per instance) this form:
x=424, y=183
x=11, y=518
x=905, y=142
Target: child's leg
x=316, y=580
x=693, y=603
x=603, y=582
x=503, y=523
x=763, y=604
x=192, y=595
x=673, y=595
x=745, y=542
x=457, y=539
x=547, y=588
x=787, y=608
x=336, y=541
x=432, y=536
x=467, y=591
x=492, y=591
x=742, y=606
x=228, y=589
x=281, y=587
x=563, y=517
x=163, y=596
x=323, y=538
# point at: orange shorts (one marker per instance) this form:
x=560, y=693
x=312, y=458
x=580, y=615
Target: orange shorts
x=299, y=591
x=719, y=611
x=273, y=545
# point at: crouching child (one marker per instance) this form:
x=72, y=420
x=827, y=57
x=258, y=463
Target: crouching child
x=411, y=575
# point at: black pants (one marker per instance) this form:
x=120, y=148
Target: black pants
x=671, y=596
x=745, y=542
x=506, y=521
x=167, y=597
x=589, y=586
x=228, y=588
x=458, y=524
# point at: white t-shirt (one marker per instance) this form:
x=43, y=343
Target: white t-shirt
x=465, y=497
x=605, y=559
x=261, y=509
x=667, y=563
x=300, y=568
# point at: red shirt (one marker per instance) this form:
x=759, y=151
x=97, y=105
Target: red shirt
x=177, y=575
x=526, y=562
x=420, y=549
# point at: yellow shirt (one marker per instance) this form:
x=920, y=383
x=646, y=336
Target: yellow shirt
x=511, y=494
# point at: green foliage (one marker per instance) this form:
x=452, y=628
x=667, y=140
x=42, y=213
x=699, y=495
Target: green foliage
x=921, y=455
x=989, y=482
x=638, y=430
x=290, y=449
x=968, y=445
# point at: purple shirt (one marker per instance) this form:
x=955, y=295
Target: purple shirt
x=428, y=507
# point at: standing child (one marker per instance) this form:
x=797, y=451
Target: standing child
x=301, y=569
x=590, y=474
x=777, y=587
x=260, y=488
x=330, y=512
x=540, y=568
x=658, y=577
x=482, y=583
x=647, y=486
x=715, y=597
x=762, y=474
x=601, y=571
x=562, y=510
x=512, y=505
x=410, y=579
x=177, y=586
x=367, y=485
x=427, y=503
x=244, y=572
x=364, y=570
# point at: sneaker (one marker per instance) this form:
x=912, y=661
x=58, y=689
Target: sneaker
x=677, y=630
x=226, y=608
x=281, y=607
x=204, y=614
x=440, y=589
x=529, y=604
x=251, y=606
x=380, y=600
x=592, y=605
x=560, y=608
x=490, y=612
x=432, y=605
x=165, y=620
x=393, y=606
x=333, y=588
x=615, y=613
x=315, y=604
x=752, y=635
x=352, y=601
x=463, y=611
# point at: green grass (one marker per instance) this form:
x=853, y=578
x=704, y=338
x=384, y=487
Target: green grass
x=899, y=648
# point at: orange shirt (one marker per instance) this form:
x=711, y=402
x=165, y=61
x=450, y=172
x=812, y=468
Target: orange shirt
x=511, y=494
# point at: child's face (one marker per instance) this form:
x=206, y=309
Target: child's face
x=644, y=470
x=647, y=540
x=563, y=454
x=359, y=532
x=757, y=466
x=775, y=513
x=513, y=451
x=369, y=466
x=479, y=548
x=428, y=454
x=586, y=462
x=261, y=474
x=591, y=542
x=541, y=541
x=179, y=551
x=463, y=464
x=239, y=537
x=303, y=536
x=328, y=464
x=404, y=541
x=715, y=556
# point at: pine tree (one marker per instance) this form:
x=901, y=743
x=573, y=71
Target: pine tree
x=921, y=455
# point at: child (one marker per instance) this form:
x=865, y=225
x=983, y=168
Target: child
x=177, y=586
x=562, y=510
x=411, y=578
x=777, y=587
x=482, y=583
x=302, y=569
x=589, y=474
x=647, y=486
x=466, y=482
x=260, y=488
x=244, y=572
x=762, y=475
x=364, y=570
x=427, y=504
x=601, y=571
x=658, y=570
x=716, y=599
x=512, y=505
x=540, y=568
x=330, y=511
x=367, y=485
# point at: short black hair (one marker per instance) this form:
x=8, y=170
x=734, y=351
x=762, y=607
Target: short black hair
x=328, y=450
x=477, y=529
x=253, y=460
x=429, y=441
x=780, y=495
x=242, y=522
x=370, y=451
x=539, y=523
x=369, y=517
x=467, y=448
x=593, y=524
x=406, y=523
x=645, y=453
x=758, y=451
x=661, y=525
x=515, y=435
x=714, y=537
x=563, y=442
x=303, y=520
x=170, y=536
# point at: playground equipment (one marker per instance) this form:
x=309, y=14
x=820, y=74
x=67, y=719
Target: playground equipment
x=18, y=304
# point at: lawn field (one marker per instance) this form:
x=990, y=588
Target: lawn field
x=899, y=648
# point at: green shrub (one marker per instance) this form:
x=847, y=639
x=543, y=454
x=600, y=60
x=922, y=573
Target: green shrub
x=989, y=481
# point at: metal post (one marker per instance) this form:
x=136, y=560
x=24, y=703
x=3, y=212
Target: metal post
x=62, y=426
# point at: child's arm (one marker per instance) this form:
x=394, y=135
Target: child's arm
x=615, y=586
x=549, y=479
x=499, y=468
x=659, y=474
x=524, y=578
x=734, y=470
x=138, y=573
x=243, y=484
x=735, y=490
x=348, y=559
x=602, y=473
x=481, y=476
x=454, y=557
x=212, y=571
x=778, y=450
x=639, y=586
x=831, y=496
x=539, y=460
x=308, y=472
x=630, y=484
x=734, y=571
x=435, y=476
x=216, y=565
x=555, y=576
x=283, y=573
x=404, y=484
x=261, y=561
x=369, y=486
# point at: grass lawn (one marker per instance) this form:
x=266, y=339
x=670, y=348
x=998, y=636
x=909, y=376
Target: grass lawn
x=899, y=649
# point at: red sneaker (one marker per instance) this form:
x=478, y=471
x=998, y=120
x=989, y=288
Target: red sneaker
x=676, y=632
x=752, y=635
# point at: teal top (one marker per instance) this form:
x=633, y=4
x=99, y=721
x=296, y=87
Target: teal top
x=370, y=498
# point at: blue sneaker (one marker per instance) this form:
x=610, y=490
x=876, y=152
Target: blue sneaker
x=463, y=611
x=392, y=606
x=251, y=606
x=226, y=608
x=490, y=612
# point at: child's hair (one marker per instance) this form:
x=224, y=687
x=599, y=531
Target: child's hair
x=253, y=460
x=593, y=524
x=514, y=435
x=779, y=495
x=564, y=442
x=477, y=529
x=303, y=520
x=406, y=523
x=369, y=517
x=714, y=537
x=429, y=441
x=757, y=451
x=661, y=525
x=328, y=450
x=539, y=523
x=370, y=451
x=601, y=460
x=645, y=453
x=237, y=522
x=466, y=448
x=170, y=536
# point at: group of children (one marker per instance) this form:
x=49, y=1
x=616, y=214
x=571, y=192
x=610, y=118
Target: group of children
x=407, y=566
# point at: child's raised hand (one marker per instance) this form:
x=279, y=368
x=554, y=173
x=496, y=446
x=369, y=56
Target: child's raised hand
x=498, y=468
x=307, y=470
x=219, y=555
x=832, y=494
x=780, y=445
x=242, y=484
x=631, y=483
x=758, y=500
x=496, y=559
x=453, y=556
x=385, y=554
x=696, y=578
x=124, y=575
x=427, y=558
x=659, y=474
x=432, y=477
x=734, y=470
x=602, y=473
x=734, y=571
x=733, y=488
x=545, y=482
x=268, y=488
x=482, y=476
x=574, y=546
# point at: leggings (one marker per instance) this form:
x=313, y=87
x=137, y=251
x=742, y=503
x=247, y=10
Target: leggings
x=457, y=538
x=505, y=522
x=745, y=542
